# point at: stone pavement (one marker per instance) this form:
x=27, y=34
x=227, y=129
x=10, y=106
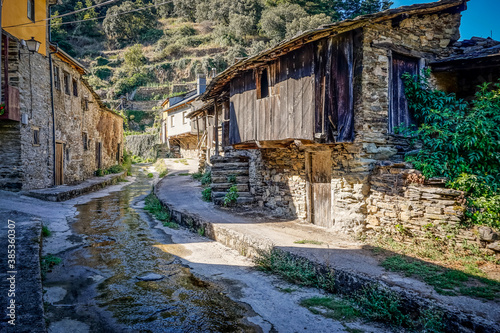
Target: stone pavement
x=21, y=286
x=66, y=192
x=354, y=265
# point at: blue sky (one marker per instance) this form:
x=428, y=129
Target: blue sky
x=481, y=18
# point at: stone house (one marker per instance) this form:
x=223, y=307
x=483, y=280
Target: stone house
x=89, y=136
x=35, y=153
x=177, y=130
x=313, y=120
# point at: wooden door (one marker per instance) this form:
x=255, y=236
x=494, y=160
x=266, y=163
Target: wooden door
x=399, y=114
x=59, y=163
x=98, y=155
x=319, y=188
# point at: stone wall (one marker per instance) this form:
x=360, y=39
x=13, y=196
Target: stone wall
x=25, y=165
x=277, y=180
x=77, y=119
x=400, y=196
x=145, y=145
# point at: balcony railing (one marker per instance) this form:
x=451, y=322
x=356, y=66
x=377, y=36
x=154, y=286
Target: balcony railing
x=12, y=111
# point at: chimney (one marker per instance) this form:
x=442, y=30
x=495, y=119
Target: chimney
x=201, y=83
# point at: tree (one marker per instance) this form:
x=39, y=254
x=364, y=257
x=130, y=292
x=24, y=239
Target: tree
x=134, y=59
x=275, y=19
x=121, y=26
x=88, y=27
x=306, y=23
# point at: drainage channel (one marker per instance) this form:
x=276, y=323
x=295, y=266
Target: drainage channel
x=121, y=281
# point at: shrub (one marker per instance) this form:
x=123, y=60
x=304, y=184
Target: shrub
x=207, y=194
x=231, y=196
x=460, y=141
x=101, y=61
x=206, y=179
x=115, y=169
x=102, y=73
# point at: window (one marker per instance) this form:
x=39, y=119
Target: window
x=66, y=83
x=36, y=136
x=262, y=84
x=85, y=141
x=171, y=121
x=75, y=88
x=399, y=114
x=184, y=119
x=31, y=10
x=57, y=78
x=118, y=152
x=85, y=104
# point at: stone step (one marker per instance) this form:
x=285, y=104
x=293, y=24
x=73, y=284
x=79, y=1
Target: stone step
x=229, y=159
x=223, y=194
x=226, y=173
x=239, y=201
x=218, y=187
x=224, y=179
x=230, y=166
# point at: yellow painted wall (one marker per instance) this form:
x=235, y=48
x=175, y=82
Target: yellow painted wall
x=15, y=12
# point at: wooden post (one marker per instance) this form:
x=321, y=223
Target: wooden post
x=216, y=129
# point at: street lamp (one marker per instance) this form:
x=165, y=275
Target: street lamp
x=33, y=45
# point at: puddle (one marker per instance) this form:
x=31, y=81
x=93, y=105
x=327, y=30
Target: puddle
x=121, y=247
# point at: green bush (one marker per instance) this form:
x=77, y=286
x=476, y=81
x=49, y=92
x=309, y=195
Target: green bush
x=207, y=194
x=460, y=141
x=206, y=179
x=102, y=73
x=115, y=169
x=231, y=196
x=101, y=61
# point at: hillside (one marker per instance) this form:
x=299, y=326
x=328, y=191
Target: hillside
x=164, y=44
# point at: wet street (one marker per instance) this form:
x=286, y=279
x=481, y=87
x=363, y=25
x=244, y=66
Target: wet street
x=121, y=280
x=121, y=270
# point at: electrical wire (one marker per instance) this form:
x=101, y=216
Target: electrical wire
x=100, y=17
x=63, y=15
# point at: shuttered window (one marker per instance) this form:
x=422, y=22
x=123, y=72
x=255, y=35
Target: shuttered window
x=399, y=114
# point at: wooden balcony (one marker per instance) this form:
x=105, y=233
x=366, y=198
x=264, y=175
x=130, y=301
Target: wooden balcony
x=12, y=111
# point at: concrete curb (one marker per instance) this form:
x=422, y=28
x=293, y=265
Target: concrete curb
x=346, y=282
x=66, y=192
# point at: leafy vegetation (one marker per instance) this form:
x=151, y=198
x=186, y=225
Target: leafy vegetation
x=231, y=196
x=206, y=194
x=461, y=141
x=154, y=206
x=336, y=308
x=373, y=301
x=445, y=281
x=206, y=179
x=113, y=169
x=294, y=269
x=47, y=262
x=46, y=231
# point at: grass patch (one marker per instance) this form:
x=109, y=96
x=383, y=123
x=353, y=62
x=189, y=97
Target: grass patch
x=197, y=175
x=287, y=290
x=308, y=241
x=161, y=168
x=372, y=302
x=184, y=174
x=201, y=231
x=183, y=161
x=154, y=206
x=150, y=175
x=46, y=231
x=445, y=281
x=330, y=307
x=47, y=263
x=294, y=269
x=171, y=225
